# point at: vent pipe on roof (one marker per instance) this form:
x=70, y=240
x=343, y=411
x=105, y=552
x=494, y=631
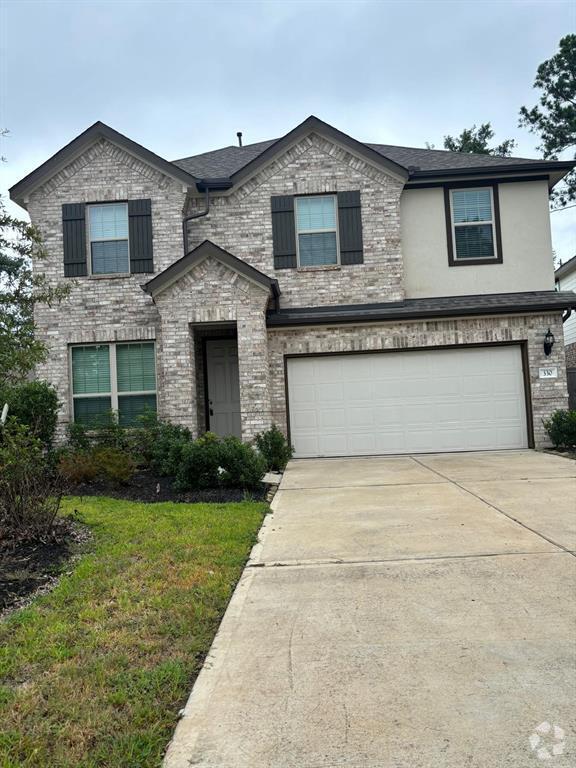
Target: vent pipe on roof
x=239, y=134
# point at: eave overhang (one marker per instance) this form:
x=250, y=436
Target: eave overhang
x=419, y=309
x=58, y=161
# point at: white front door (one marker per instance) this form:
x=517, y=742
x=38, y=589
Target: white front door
x=223, y=387
x=458, y=399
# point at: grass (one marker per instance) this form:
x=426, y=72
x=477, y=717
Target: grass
x=94, y=673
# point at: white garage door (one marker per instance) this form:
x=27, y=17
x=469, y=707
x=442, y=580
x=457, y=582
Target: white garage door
x=407, y=402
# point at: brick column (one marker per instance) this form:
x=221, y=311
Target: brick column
x=176, y=374
x=254, y=371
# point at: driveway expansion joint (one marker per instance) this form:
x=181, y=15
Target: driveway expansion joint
x=494, y=507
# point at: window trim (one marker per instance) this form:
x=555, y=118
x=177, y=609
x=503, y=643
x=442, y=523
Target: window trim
x=453, y=261
x=99, y=275
x=114, y=394
x=336, y=229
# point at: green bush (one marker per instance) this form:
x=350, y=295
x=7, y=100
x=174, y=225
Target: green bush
x=275, y=449
x=34, y=404
x=160, y=444
x=209, y=462
x=29, y=491
x=196, y=463
x=243, y=465
x=561, y=428
x=114, y=464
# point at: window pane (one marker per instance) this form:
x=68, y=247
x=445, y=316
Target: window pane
x=135, y=367
x=131, y=407
x=108, y=222
x=110, y=256
x=471, y=205
x=92, y=411
x=90, y=369
x=318, y=249
x=315, y=213
x=474, y=242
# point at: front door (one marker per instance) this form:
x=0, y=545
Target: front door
x=223, y=387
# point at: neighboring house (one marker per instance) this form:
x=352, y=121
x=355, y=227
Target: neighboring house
x=367, y=298
x=566, y=281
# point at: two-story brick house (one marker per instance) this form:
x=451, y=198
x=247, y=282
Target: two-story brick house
x=369, y=299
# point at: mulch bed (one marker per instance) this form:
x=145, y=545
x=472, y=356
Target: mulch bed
x=29, y=569
x=148, y=487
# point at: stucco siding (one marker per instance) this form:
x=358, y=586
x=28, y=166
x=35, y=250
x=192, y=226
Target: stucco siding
x=526, y=245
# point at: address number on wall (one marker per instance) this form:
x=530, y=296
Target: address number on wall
x=548, y=373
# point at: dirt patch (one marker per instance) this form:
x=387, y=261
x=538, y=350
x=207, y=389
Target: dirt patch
x=28, y=569
x=147, y=487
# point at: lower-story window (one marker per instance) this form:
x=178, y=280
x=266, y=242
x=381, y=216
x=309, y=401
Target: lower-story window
x=113, y=377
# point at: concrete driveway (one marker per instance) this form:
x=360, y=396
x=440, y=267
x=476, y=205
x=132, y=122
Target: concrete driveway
x=399, y=612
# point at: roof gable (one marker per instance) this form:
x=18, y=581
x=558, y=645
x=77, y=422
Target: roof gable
x=79, y=145
x=205, y=250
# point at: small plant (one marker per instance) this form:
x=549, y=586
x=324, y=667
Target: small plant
x=275, y=449
x=77, y=467
x=29, y=493
x=78, y=439
x=561, y=428
x=114, y=464
x=34, y=404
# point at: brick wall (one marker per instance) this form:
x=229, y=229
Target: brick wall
x=241, y=223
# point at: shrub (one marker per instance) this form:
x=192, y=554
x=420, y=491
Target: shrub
x=243, y=465
x=77, y=467
x=196, y=462
x=29, y=493
x=561, y=428
x=78, y=439
x=99, y=462
x=114, y=464
x=275, y=449
x=209, y=462
x=34, y=404
x=160, y=444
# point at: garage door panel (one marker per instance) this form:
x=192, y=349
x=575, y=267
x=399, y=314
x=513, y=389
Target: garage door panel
x=403, y=402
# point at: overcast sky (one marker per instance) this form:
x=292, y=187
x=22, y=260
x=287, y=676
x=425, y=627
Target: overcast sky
x=182, y=77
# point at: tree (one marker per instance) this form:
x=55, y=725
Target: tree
x=554, y=117
x=476, y=140
x=21, y=289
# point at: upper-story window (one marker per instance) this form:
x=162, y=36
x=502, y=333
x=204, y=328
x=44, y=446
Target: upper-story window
x=474, y=226
x=108, y=238
x=316, y=230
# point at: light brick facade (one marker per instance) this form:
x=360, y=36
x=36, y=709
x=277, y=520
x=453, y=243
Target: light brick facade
x=214, y=298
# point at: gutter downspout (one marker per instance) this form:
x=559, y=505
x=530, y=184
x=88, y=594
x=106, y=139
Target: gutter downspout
x=566, y=315
x=195, y=216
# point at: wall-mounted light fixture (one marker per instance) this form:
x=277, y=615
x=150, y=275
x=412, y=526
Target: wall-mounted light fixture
x=548, y=342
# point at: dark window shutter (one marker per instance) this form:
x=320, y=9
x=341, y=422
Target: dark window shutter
x=74, y=239
x=140, y=234
x=283, y=232
x=350, y=228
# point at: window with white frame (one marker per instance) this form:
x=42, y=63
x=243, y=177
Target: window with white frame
x=473, y=224
x=316, y=230
x=108, y=238
x=113, y=377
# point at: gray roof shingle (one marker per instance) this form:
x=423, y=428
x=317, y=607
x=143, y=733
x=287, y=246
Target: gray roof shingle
x=228, y=160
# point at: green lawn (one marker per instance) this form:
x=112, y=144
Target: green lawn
x=94, y=673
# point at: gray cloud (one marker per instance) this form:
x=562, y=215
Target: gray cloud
x=183, y=77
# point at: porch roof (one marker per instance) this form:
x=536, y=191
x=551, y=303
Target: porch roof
x=449, y=306
x=205, y=250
